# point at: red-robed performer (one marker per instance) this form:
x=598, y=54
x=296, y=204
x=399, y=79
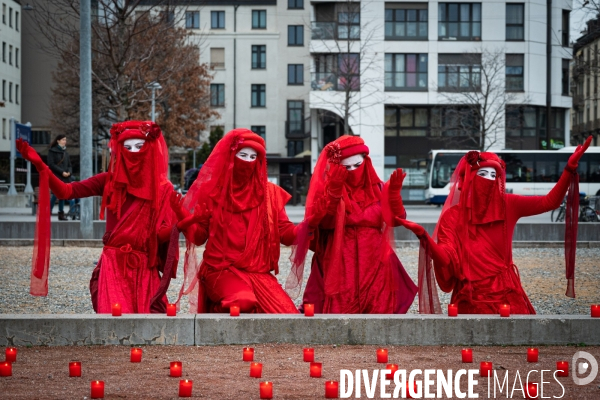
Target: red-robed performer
x=141, y=239
x=241, y=218
x=354, y=268
x=473, y=254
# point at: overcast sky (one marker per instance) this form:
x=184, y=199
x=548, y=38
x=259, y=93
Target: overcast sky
x=578, y=19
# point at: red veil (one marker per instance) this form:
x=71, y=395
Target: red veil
x=217, y=182
x=369, y=191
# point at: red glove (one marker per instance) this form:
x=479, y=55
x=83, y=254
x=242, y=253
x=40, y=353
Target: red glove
x=30, y=154
x=201, y=216
x=319, y=211
x=335, y=180
x=412, y=226
x=176, y=201
x=439, y=255
x=577, y=154
x=395, y=199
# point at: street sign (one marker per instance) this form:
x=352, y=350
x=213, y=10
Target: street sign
x=22, y=132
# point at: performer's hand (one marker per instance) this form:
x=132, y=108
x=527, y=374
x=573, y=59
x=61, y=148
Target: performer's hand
x=30, y=154
x=396, y=180
x=411, y=226
x=335, y=180
x=578, y=153
x=177, y=206
x=319, y=211
x=202, y=214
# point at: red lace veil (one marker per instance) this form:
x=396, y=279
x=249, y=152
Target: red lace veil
x=217, y=182
x=367, y=189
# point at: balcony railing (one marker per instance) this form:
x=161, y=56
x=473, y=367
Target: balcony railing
x=327, y=81
x=334, y=31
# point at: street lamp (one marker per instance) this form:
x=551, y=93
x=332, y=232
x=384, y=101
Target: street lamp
x=154, y=86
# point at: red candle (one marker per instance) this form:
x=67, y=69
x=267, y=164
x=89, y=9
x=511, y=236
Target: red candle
x=467, y=355
x=309, y=355
x=248, y=354
x=185, y=388
x=255, y=370
x=393, y=368
x=485, y=368
x=136, y=355
x=266, y=390
x=116, y=310
x=315, y=369
x=563, y=368
x=595, y=309
x=505, y=310
x=532, y=355
x=5, y=369
x=176, y=369
x=531, y=391
x=331, y=390
x=382, y=356
x=75, y=368
x=309, y=310
x=10, y=354
x=234, y=311
x=171, y=310
x=452, y=310
x=97, y=390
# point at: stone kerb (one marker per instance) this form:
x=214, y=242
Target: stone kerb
x=220, y=329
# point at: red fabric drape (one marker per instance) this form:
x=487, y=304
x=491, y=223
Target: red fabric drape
x=40, y=262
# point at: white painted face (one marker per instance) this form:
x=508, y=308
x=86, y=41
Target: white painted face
x=487, y=173
x=353, y=162
x=133, y=145
x=247, y=154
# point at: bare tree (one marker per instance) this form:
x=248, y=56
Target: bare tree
x=134, y=43
x=476, y=93
x=345, y=57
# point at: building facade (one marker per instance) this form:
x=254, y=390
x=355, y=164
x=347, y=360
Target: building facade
x=408, y=64
x=585, y=70
x=10, y=69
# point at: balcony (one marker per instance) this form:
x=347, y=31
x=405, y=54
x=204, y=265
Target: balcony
x=334, y=31
x=577, y=100
x=328, y=81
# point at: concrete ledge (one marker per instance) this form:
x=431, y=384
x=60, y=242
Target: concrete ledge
x=220, y=329
x=86, y=329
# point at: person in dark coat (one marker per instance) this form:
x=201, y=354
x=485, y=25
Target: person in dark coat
x=60, y=165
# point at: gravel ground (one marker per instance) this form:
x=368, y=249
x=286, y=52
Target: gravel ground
x=218, y=372
x=541, y=270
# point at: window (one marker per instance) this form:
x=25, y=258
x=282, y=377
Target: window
x=406, y=72
x=168, y=18
x=4, y=14
x=514, y=72
x=260, y=130
x=17, y=94
x=217, y=95
x=10, y=17
x=10, y=55
x=40, y=137
x=16, y=57
x=3, y=51
x=406, y=23
x=459, y=71
x=566, y=16
x=296, y=4
x=349, y=71
x=17, y=21
x=10, y=98
x=3, y=89
x=217, y=57
x=259, y=19
x=295, y=147
x=295, y=74
x=295, y=35
x=526, y=129
x=217, y=19
x=192, y=19
x=295, y=118
x=349, y=25
x=515, y=21
x=459, y=21
x=3, y=128
x=336, y=72
x=259, y=95
x=259, y=57
x=565, y=78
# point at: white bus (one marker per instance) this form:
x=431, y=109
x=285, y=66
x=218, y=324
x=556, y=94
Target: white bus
x=528, y=172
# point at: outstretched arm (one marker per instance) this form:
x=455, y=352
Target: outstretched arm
x=392, y=188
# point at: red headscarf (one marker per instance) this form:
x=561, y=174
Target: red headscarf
x=361, y=189
x=233, y=185
x=141, y=173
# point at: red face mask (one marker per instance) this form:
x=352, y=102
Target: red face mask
x=486, y=200
x=242, y=171
x=356, y=177
x=133, y=169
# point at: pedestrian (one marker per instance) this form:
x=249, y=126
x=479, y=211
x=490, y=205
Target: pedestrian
x=60, y=165
x=240, y=216
x=140, y=241
x=472, y=257
x=354, y=268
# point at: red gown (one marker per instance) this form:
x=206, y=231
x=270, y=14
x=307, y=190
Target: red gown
x=490, y=281
x=234, y=271
x=127, y=272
